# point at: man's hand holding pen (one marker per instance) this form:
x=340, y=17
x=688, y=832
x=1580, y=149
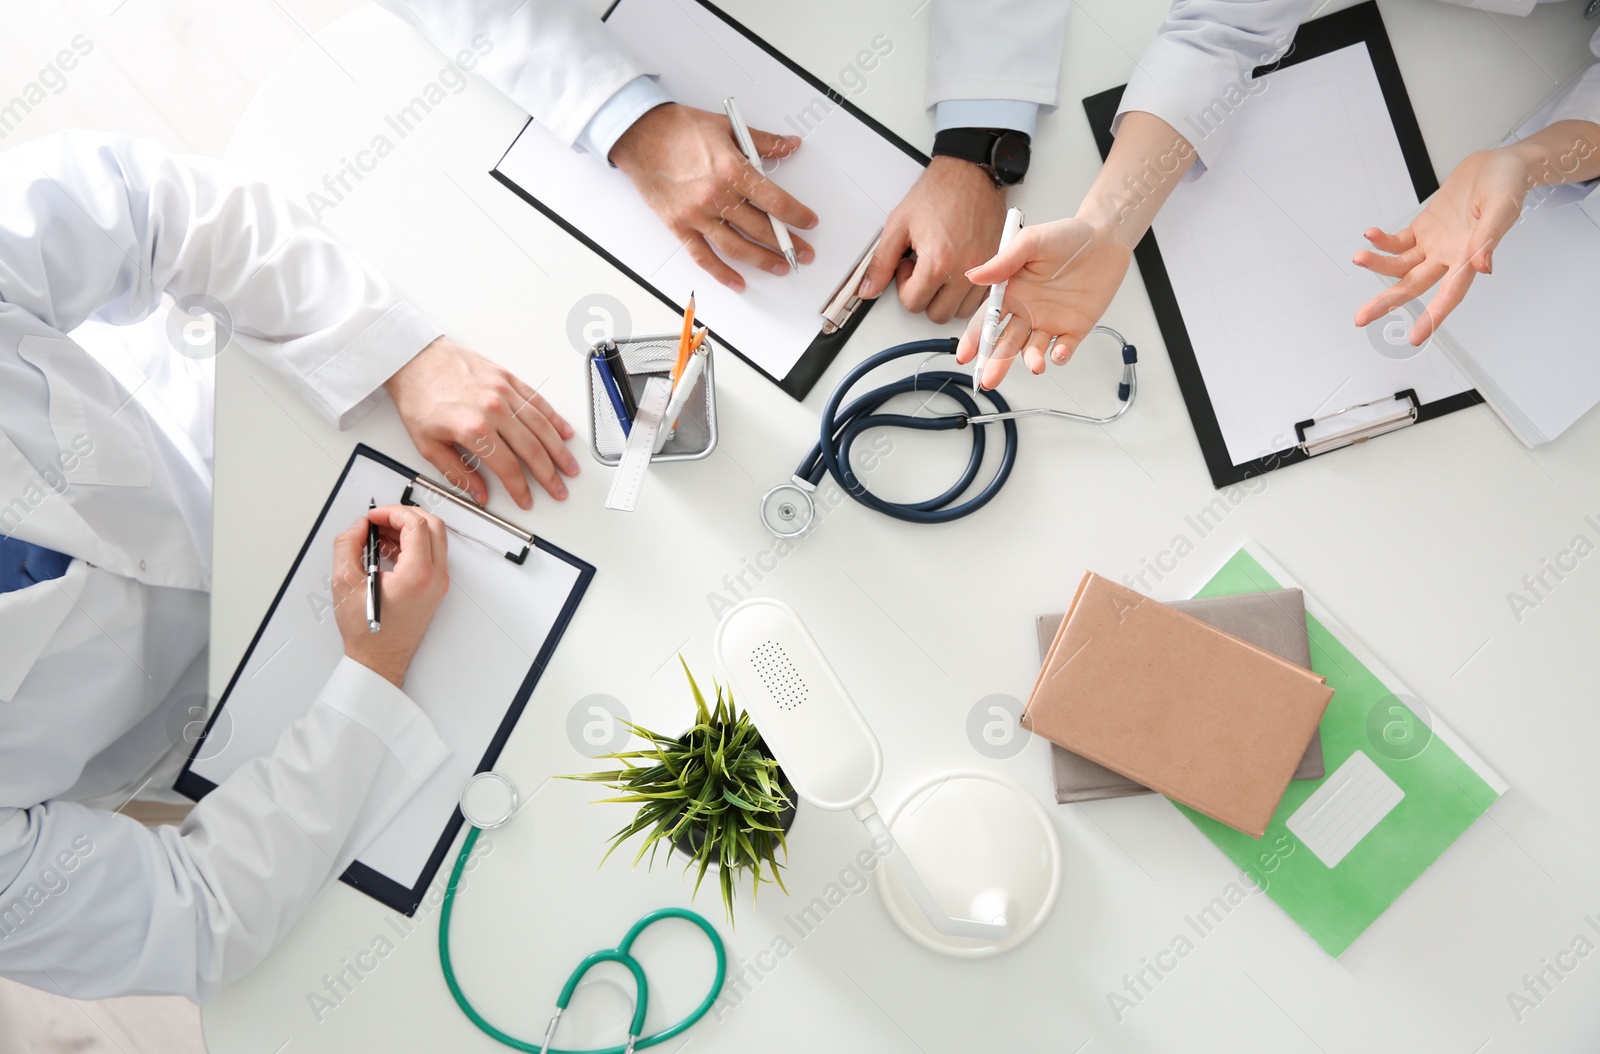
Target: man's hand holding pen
x=409, y=594
x=690, y=170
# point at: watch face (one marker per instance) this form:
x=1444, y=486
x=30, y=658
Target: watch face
x=1010, y=158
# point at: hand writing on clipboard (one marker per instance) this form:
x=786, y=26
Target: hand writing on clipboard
x=690, y=171
x=419, y=544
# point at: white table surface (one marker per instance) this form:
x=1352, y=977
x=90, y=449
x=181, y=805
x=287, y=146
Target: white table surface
x=1414, y=541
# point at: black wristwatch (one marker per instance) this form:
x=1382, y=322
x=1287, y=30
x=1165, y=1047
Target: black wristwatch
x=1001, y=152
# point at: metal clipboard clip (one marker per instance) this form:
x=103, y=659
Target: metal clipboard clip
x=465, y=520
x=846, y=298
x=1357, y=424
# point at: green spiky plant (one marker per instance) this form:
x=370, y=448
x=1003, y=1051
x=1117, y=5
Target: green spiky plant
x=713, y=792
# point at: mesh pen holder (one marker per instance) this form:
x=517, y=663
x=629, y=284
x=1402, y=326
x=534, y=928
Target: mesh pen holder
x=647, y=357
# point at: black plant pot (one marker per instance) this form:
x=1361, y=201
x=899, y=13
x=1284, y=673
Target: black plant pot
x=690, y=841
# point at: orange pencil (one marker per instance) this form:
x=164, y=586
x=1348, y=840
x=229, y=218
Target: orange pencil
x=683, y=341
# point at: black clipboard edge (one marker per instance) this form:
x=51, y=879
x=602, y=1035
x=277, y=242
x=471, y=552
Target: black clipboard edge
x=800, y=379
x=373, y=883
x=1362, y=24
x=824, y=348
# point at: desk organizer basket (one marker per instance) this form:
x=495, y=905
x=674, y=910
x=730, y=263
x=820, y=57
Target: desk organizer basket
x=648, y=357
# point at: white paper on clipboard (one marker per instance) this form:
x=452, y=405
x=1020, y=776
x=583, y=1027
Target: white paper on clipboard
x=845, y=171
x=485, y=639
x=1259, y=250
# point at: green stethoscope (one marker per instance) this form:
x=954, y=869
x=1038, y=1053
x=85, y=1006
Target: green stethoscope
x=488, y=801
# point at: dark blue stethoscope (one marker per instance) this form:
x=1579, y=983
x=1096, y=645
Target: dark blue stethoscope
x=789, y=509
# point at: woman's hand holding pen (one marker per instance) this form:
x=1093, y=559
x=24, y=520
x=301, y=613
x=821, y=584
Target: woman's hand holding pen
x=411, y=592
x=1062, y=275
x=1060, y=279
x=689, y=169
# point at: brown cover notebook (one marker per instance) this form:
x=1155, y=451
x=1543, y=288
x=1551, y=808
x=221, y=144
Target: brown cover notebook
x=1274, y=620
x=1176, y=705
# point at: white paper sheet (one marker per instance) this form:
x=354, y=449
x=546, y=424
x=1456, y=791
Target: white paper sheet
x=1258, y=250
x=848, y=174
x=484, y=639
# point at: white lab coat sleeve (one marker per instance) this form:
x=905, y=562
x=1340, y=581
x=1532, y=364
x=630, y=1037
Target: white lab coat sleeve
x=1582, y=100
x=996, y=49
x=554, y=58
x=92, y=904
x=129, y=221
x=1196, y=72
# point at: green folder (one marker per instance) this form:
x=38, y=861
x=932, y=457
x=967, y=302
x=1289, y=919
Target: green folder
x=1400, y=786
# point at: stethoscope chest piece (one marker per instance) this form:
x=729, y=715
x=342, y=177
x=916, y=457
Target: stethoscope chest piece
x=788, y=510
x=488, y=800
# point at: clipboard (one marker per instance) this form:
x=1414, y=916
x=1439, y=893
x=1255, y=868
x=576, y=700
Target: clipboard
x=835, y=317
x=496, y=568
x=1336, y=426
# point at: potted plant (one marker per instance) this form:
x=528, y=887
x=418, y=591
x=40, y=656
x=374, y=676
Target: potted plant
x=713, y=793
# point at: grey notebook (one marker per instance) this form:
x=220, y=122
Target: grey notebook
x=1274, y=621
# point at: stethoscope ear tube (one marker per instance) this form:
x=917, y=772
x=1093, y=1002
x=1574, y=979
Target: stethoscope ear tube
x=621, y=954
x=842, y=423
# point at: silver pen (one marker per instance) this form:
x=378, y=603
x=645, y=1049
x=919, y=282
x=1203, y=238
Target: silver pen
x=372, y=570
x=996, y=301
x=741, y=132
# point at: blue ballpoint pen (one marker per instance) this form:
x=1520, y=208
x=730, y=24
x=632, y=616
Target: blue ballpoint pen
x=609, y=383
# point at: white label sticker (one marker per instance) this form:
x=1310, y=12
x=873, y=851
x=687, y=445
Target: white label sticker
x=1348, y=805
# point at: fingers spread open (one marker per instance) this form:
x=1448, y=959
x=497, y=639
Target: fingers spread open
x=1394, y=244
x=1500, y=216
x=1402, y=292
x=1451, y=292
x=1391, y=266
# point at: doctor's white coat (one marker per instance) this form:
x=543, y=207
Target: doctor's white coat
x=101, y=670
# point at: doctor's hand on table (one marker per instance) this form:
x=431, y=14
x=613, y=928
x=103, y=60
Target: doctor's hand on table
x=951, y=220
x=690, y=171
x=451, y=397
x=1062, y=275
x=419, y=545
x=1452, y=240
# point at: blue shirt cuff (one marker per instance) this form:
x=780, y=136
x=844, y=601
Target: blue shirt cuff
x=631, y=102
x=986, y=113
